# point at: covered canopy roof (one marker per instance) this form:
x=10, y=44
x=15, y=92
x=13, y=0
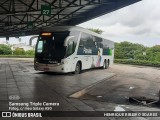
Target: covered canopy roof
x=27, y=17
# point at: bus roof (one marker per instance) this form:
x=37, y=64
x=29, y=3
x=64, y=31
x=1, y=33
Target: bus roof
x=69, y=28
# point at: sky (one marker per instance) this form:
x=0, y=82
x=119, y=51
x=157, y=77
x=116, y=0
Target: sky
x=137, y=23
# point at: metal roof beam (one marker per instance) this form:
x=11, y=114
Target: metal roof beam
x=46, y=2
x=74, y=4
x=4, y=2
x=1, y=5
x=17, y=18
x=69, y=14
x=29, y=11
x=52, y=4
x=3, y=19
x=58, y=20
x=58, y=12
x=14, y=21
x=101, y=10
x=29, y=6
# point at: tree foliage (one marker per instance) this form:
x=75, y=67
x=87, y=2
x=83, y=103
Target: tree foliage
x=99, y=31
x=19, y=51
x=5, y=49
x=29, y=52
x=127, y=50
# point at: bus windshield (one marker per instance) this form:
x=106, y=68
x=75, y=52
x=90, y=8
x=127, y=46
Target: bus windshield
x=51, y=45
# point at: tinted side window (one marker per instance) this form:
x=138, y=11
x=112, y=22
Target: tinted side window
x=40, y=46
x=86, y=40
x=70, y=47
x=107, y=47
x=98, y=42
x=105, y=44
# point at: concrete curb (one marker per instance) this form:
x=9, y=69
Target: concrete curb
x=88, y=88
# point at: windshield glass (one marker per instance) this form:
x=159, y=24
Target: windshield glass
x=51, y=46
x=71, y=46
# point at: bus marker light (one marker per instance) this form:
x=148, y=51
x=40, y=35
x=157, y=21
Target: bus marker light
x=46, y=34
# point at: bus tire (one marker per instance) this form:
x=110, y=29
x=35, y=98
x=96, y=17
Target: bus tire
x=78, y=68
x=105, y=64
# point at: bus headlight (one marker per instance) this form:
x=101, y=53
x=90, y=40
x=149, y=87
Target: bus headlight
x=63, y=62
x=35, y=60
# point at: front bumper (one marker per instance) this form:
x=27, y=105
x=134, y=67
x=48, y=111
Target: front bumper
x=51, y=67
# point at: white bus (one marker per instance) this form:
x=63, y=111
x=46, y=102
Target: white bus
x=72, y=49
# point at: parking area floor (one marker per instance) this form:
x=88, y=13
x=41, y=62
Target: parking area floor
x=18, y=77
x=130, y=81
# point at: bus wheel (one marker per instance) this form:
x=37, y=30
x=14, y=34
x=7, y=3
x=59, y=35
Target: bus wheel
x=78, y=68
x=105, y=64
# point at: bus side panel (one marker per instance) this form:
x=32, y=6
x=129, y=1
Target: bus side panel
x=92, y=51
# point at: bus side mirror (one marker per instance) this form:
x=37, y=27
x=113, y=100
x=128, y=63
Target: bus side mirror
x=67, y=39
